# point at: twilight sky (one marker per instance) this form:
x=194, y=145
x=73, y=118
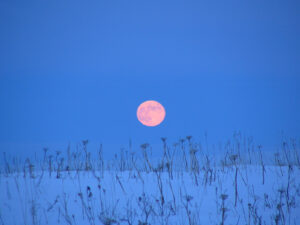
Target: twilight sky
x=73, y=70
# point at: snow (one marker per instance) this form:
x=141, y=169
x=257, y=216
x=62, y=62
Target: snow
x=137, y=196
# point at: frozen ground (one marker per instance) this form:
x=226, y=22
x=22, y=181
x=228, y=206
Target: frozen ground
x=219, y=195
x=185, y=186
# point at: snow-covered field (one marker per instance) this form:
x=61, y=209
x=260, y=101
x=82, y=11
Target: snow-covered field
x=141, y=193
x=131, y=197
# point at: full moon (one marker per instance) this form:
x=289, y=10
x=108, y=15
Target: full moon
x=151, y=113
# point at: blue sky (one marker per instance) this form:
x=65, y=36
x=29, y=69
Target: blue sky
x=73, y=70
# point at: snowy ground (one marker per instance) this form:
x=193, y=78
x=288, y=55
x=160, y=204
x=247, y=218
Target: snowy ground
x=235, y=194
x=187, y=185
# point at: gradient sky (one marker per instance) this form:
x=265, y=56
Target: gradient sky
x=73, y=70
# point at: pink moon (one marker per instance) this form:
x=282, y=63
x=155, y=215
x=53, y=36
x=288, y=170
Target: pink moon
x=151, y=113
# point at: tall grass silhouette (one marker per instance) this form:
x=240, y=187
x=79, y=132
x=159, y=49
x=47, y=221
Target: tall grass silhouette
x=186, y=185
